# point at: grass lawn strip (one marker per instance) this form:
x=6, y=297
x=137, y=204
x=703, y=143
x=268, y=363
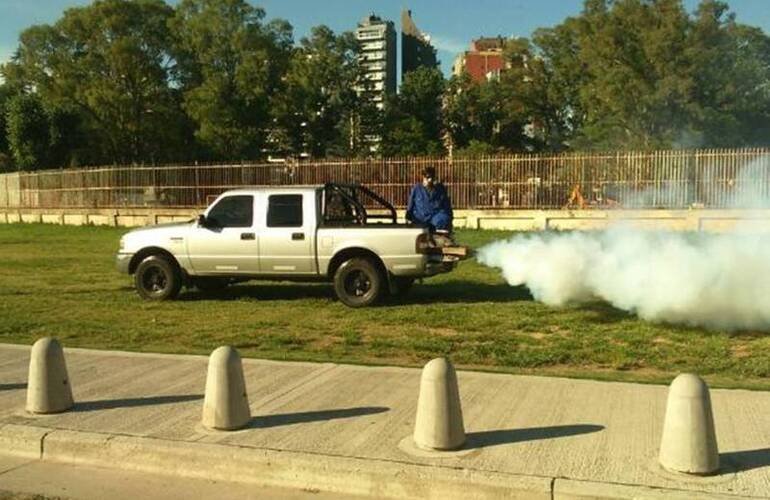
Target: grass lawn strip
x=60, y=281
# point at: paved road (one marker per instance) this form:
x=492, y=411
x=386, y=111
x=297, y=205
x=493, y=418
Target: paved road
x=345, y=428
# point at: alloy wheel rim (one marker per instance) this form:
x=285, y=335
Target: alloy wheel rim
x=358, y=283
x=155, y=280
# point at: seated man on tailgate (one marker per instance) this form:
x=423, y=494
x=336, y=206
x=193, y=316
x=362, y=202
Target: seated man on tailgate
x=429, y=203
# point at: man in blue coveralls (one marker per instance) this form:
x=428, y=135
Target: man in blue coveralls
x=429, y=203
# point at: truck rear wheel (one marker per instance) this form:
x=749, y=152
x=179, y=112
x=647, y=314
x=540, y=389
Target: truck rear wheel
x=157, y=279
x=358, y=282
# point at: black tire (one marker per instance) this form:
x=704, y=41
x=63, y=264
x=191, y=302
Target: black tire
x=358, y=282
x=157, y=278
x=401, y=285
x=211, y=284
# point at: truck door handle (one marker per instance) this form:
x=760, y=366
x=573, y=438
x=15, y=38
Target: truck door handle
x=297, y=236
x=247, y=236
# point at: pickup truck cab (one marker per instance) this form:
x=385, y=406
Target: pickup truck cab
x=345, y=234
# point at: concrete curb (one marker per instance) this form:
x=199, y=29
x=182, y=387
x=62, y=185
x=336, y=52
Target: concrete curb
x=570, y=489
x=310, y=471
x=22, y=440
x=336, y=474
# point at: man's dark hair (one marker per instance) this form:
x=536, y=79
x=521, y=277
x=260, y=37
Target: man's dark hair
x=429, y=172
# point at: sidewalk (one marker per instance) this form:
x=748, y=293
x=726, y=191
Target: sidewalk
x=340, y=428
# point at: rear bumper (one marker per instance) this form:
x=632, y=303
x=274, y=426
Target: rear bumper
x=122, y=262
x=423, y=266
x=445, y=265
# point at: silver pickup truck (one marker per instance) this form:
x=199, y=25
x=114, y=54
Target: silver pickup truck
x=345, y=234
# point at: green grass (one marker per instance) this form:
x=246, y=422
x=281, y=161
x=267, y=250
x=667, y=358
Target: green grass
x=60, y=281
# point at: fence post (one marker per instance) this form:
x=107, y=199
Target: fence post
x=197, y=187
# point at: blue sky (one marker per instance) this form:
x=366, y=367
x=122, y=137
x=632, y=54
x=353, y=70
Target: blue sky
x=451, y=24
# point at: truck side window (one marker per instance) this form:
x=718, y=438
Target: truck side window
x=284, y=210
x=233, y=211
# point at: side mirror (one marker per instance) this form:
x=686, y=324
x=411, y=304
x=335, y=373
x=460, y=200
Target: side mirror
x=202, y=220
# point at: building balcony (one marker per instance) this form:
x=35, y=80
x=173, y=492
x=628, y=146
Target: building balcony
x=372, y=56
x=375, y=66
x=373, y=90
x=370, y=35
x=373, y=45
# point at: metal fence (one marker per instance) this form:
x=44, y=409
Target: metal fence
x=712, y=178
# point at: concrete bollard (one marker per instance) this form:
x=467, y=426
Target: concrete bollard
x=48, y=386
x=689, y=442
x=439, y=421
x=225, y=406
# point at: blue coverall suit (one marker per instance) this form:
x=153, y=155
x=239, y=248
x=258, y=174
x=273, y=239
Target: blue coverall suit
x=430, y=206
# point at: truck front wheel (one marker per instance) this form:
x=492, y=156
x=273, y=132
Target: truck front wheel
x=358, y=282
x=157, y=279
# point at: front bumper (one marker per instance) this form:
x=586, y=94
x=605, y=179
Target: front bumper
x=122, y=262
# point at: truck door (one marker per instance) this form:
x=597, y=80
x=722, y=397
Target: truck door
x=287, y=235
x=229, y=243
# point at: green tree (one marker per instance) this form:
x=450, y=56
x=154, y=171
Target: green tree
x=476, y=148
x=28, y=132
x=731, y=68
x=555, y=77
x=108, y=62
x=482, y=117
x=639, y=74
x=501, y=114
x=413, y=123
x=230, y=67
x=637, y=86
x=5, y=152
x=510, y=98
x=69, y=145
x=461, y=109
x=317, y=110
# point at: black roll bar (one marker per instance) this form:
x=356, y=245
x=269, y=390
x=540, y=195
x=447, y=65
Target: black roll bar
x=350, y=192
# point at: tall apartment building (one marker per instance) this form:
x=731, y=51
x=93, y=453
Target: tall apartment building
x=484, y=61
x=416, y=50
x=377, y=56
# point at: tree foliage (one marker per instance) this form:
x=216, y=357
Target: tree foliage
x=316, y=110
x=230, y=67
x=142, y=81
x=29, y=134
x=646, y=74
x=413, y=122
x=5, y=152
x=108, y=62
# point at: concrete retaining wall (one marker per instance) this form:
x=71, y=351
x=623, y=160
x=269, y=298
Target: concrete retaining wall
x=521, y=220
x=130, y=217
